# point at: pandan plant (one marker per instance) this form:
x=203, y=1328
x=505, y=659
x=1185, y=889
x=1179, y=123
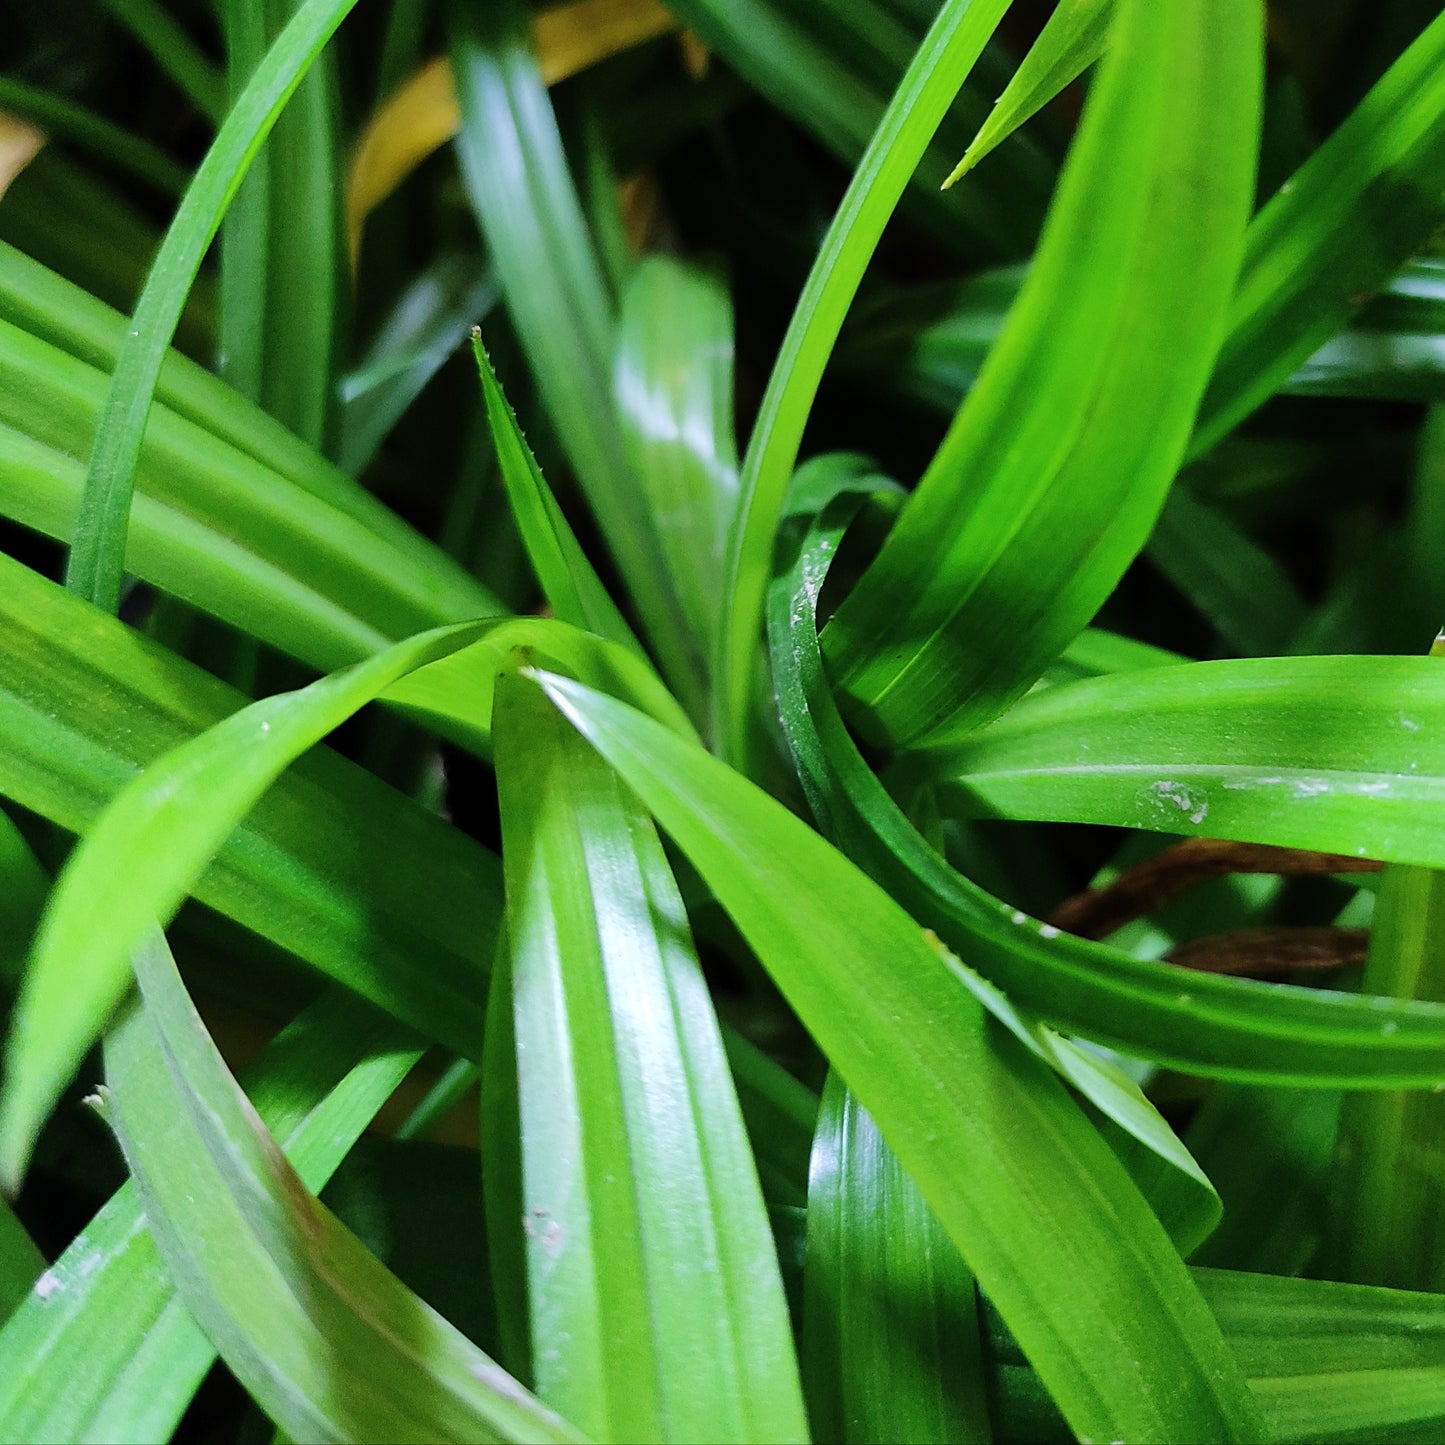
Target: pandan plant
x=532, y=910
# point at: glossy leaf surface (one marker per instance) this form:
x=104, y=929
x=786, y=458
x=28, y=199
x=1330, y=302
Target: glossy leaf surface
x=284, y=1286
x=973, y=593
x=937, y=1068
x=103, y=1349
x=1338, y=754
x=656, y=1308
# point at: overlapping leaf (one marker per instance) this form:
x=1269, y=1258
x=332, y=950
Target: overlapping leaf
x=282, y=1289
x=1022, y=1183
x=1230, y=1028
x=943, y=61
x=97, y=560
x=891, y=1330
x=1046, y=485
x=656, y=1308
x=103, y=1348
x=179, y=814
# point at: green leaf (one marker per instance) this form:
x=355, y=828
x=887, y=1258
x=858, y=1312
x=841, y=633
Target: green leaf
x=1267, y=1152
x=1232, y=580
x=930, y=341
x=103, y=1349
x=282, y=1289
x=221, y=527
x=68, y=121
x=86, y=704
x=1176, y=1188
x=1047, y=486
x=1335, y=1362
x=97, y=556
x=1331, y=1364
x=52, y=309
x=176, y=817
x=657, y=1312
x=282, y=285
x=1076, y=35
x=516, y=174
x=834, y=64
x=673, y=379
x=1202, y=1023
x=430, y=321
x=23, y=888
x=1038, y=1206
x=175, y=52
x=569, y=582
x=891, y=1334
x=942, y=63
x=1392, y=348
x=1386, y=1195
x=180, y=812
x=1334, y=234
x=277, y=568
x=781, y=1113
x=21, y=1263
x=1338, y=754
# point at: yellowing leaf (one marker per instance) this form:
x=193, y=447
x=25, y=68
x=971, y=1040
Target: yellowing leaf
x=20, y=143
x=423, y=115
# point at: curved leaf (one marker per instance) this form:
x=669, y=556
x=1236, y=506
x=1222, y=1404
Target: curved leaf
x=1039, y=1207
x=280, y=1286
x=944, y=59
x=1174, y=1184
x=104, y=1349
x=1335, y=233
x=97, y=556
x=87, y=703
x=176, y=816
x=1047, y=484
x=98, y=915
x=1338, y=754
x=1203, y=1023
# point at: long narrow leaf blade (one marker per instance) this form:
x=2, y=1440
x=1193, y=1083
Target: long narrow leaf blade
x=648, y=1248
x=569, y=582
x=104, y=1349
x=1203, y=1023
x=1073, y=39
x=1337, y=231
x=97, y=557
x=1338, y=754
x=516, y=173
x=1047, y=485
x=1040, y=1209
x=177, y=817
x=944, y=59
x=890, y=1316
x=673, y=378
x=86, y=704
x=332, y=1345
